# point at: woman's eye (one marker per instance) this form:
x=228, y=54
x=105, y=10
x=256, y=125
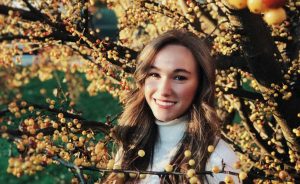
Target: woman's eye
x=179, y=77
x=155, y=75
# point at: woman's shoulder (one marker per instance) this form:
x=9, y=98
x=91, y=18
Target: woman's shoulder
x=223, y=152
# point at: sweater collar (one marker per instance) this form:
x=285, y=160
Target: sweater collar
x=172, y=131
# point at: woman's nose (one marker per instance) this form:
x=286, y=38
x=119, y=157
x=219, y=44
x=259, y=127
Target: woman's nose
x=165, y=87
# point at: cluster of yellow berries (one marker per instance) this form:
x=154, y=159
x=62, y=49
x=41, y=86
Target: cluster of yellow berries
x=226, y=43
x=112, y=165
x=68, y=141
x=28, y=165
x=227, y=79
x=191, y=172
x=271, y=9
x=297, y=131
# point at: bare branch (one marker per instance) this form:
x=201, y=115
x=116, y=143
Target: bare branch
x=241, y=93
x=73, y=167
x=290, y=137
x=263, y=144
x=225, y=62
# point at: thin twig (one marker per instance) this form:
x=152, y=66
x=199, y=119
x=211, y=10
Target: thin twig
x=158, y=173
x=71, y=166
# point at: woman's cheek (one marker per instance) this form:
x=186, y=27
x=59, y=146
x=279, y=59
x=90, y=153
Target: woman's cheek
x=150, y=84
x=188, y=91
x=150, y=87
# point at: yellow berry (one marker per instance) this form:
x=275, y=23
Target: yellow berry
x=81, y=139
x=78, y=126
x=64, y=138
x=238, y=4
x=21, y=147
x=120, y=175
x=283, y=175
x=132, y=175
x=39, y=135
x=60, y=115
x=237, y=165
x=193, y=180
x=187, y=153
x=10, y=12
x=31, y=122
x=70, y=146
x=78, y=161
x=215, y=169
x=70, y=124
x=256, y=6
x=62, y=120
x=52, y=102
x=141, y=153
x=32, y=131
x=192, y=162
x=142, y=176
x=228, y=179
x=169, y=168
x=275, y=16
x=190, y=173
x=242, y=175
x=30, y=108
x=210, y=148
x=110, y=164
x=99, y=147
x=75, y=121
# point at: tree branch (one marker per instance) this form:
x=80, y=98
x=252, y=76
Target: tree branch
x=290, y=137
x=60, y=33
x=241, y=93
x=293, y=45
x=71, y=166
x=237, y=148
x=158, y=173
x=24, y=14
x=263, y=144
x=86, y=124
x=225, y=62
x=260, y=48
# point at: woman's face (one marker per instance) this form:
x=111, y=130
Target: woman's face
x=171, y=83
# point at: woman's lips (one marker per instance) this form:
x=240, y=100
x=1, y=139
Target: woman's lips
x=165, y=104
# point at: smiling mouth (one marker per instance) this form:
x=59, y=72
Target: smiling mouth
x=164, y=103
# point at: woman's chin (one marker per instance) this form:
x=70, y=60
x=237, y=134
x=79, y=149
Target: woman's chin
x=165, y=118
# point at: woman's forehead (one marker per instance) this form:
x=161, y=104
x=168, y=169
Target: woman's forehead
x=174, y=57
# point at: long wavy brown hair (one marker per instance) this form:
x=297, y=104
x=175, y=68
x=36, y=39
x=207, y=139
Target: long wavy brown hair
x=137, y=129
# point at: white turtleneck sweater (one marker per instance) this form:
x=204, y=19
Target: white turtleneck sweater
x=169, y=135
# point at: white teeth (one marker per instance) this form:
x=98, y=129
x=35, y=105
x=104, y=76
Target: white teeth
x=164, y=103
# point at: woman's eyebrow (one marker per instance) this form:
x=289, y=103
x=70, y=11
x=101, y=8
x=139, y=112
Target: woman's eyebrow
x=175, y=71
x=181, y=70
x=153, y=68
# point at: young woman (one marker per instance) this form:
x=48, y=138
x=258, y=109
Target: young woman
x=172, y=110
